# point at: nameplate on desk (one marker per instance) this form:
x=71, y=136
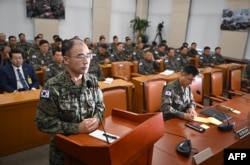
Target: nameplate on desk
x=242, y=132
x=202, y=156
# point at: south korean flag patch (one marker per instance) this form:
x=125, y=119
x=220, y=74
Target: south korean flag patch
x=44, y=94
x=168, y=93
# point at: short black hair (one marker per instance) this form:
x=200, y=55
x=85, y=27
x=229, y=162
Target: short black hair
x=67, y=46
x=21, y=34
x=57, y=49
x=206, y=47
x=190, y=69
x=15, y=50
x=217, y=48
x=43, y=42
x=104, y=46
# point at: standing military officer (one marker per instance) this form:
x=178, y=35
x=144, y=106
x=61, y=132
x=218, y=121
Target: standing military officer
x=71, y=102
x=177, y=97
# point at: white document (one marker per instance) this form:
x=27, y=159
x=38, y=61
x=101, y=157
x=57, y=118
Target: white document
x=101, y=136
x=108, y=80
x=167, y=72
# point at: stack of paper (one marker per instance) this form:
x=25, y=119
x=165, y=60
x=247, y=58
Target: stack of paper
x=108, y=80
x=167, y=72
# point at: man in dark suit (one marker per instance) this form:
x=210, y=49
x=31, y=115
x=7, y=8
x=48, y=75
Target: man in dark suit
x=18, y=76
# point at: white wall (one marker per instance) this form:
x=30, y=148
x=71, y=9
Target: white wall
x=78, y=19
x=159, y=10
x=13, y=19
x=121, y=14
x=204, y=22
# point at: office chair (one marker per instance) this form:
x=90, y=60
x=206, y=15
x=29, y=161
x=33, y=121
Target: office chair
x=234, y=88
x=115, y=97
x=152, y=94
x=197, y=91
x=122, y=70
x=216, y=91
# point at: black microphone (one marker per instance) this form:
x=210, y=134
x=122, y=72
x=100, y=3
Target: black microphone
x=89, y=86
x=198, y=92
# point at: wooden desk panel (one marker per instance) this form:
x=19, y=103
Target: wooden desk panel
x=165, y=148
x=17, y=126
x=137, y=100
x=225, y=69
x=206, y=72
x=119, y=82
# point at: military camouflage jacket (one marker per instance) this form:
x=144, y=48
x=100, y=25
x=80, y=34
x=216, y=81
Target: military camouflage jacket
x=176, y=100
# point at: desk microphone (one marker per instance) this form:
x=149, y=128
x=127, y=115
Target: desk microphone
x=225, y=126
x=89, y=86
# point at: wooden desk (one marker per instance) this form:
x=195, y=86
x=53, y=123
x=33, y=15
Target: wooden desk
x=137, y=100
x=131, y=148
x=17, y=126
x=226, y=68
x=119, y=82
x=165, y=148
x=206, y=72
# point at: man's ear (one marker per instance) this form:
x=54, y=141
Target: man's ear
x=65, y=59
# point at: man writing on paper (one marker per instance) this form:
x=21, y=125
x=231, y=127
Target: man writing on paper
x=177, y=98
x=70, y=101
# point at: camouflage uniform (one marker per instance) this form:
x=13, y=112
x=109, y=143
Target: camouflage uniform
x=217, y=59
x=138, y=55
x=147, y=67
x=33, y=50
x=128, y=48
x=184, y=60
x=53, y=70
x=39, y=60
x=175, y=100
x=95, y=69
x=2, y=44
x=25, y=46
x=63, y=105
x=192, y=53
x=118, y=56
x=204, y=60
x=173, y=63
x=101, y=57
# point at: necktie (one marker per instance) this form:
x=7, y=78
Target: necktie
x=25, y=85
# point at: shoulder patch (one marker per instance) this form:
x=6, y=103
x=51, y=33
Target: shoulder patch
x=44, y=94
x=168, y=93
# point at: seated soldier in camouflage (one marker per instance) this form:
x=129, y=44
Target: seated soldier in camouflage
x=177, y=97
x=71, y=102
x=57, y=66
x=148, y=65
x=172, y=62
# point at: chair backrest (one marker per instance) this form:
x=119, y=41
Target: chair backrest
x=121, y=69
x=217, y=83
x=115, y=97
x=197, y=89
x=235, y=79
x=135, y=67
x=152, y=96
